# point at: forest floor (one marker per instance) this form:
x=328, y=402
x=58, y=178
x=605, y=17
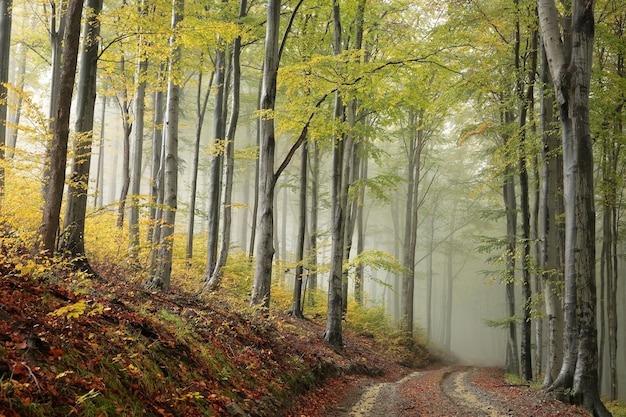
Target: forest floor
x=448, y=390
x=75, y=345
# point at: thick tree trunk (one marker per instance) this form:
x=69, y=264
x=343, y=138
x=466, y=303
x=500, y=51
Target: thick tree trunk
x=265, y=219
x=76, y=207
x=58, y=23
x=58, y=151
x=551, y=230
x=572, y=81
x=334, y=331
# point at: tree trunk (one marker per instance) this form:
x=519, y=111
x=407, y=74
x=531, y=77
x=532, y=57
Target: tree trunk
x=360, y=229
x=217, y=158
x=334, y=332
x=155, y=172
x=296, y=304
x=76, y=207
x=5, y=47
x=551, y=229
x=58, y=23
x=414, y=170
x=314, y=156
x=99, y=187
x=201, y=105
x=261, y=290
x=229, y=168
x=60, y=134
x=571, y=81
x=257, y=176
x=170, y=157
x=135, y=178
x=512, y=358
x=15, y=117
x=127, y=127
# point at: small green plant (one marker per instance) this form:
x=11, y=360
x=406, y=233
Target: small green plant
x=617, y=408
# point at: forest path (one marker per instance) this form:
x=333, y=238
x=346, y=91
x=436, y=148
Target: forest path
x=453, y=391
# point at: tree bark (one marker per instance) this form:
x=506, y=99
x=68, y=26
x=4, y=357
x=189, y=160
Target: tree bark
x=261, y=290
x=229, y=168
x=551, y=229
x=296, y=304
x=5, y=47
x=334, y=332
x=201, y=105
x=73, y=240
x=215, y=174
x=170, y=157
x=571, y=81
x=58, y=151
x=57, y=27
x=155, y=173
x=135, y=177
x=512, y=357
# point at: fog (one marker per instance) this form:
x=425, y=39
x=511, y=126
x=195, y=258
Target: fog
x=475, y=297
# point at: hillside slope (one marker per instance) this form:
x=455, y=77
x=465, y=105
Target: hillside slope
x=70, y=345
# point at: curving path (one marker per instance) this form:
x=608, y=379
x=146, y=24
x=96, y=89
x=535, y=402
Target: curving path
x=453, y=391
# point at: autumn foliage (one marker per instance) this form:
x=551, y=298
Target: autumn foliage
x=75, y=344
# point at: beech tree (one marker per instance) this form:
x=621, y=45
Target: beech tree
x=162, y=277
x=267, y=182
x=229, y=158
x=60, y=134
x=76, y=206
x=571, y=80
x=5, y=47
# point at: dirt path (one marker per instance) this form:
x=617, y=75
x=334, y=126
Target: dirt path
x=453, y=391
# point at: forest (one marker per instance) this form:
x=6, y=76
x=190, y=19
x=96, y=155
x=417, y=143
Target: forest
x=454, y=167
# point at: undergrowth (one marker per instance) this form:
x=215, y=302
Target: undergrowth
x=73, y=344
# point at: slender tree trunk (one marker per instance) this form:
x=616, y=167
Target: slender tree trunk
x=135, y=178
x=127, y=126
x=414, y=171
x=257, y=178
x=20, y=75
x=360, y=220
x=201, y=105
x=73, y=240
x=58, y=150
x=170, y=158
x=512, y=357
x=99, y=187
x=296, y=305
x=155, y=173
x=229, y=167
x=314, y=156
x=5, y=47
x=215, y=175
